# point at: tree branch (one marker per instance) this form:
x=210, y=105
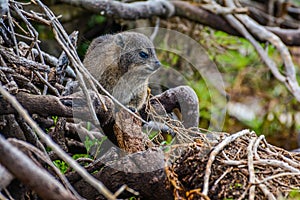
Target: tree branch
x=147, y=9
x=127, y=11
x=30, y=174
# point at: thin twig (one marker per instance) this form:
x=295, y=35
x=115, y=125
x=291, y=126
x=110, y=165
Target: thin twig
x=277, y=176
x=155, y=31
x=251, y=169
x=255, y=146
x=12, y=31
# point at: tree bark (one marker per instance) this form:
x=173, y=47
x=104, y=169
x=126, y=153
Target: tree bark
x=38, y=179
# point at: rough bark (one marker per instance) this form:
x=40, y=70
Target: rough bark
x=39, y=180
x=129, y=134
x=69, y=106
x=142, y=171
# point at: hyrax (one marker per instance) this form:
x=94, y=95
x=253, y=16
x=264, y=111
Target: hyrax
x=123, y=63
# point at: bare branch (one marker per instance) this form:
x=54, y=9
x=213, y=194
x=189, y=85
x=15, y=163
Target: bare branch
x=12, y=58
x=30, y=174
x=127, y=11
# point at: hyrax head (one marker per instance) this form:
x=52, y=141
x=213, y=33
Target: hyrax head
x=122, y=63
x=137, y=54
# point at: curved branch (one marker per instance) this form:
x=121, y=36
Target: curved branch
x=197, y=14
x=288, y=36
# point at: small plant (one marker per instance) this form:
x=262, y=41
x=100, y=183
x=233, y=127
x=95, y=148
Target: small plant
x=88, y=126
x=55, y=118
x=61, y=165
x=88, y=143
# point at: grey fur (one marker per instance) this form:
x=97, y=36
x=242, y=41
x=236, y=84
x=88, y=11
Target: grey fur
x=117, y=63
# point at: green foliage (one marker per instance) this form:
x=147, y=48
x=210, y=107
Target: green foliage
x=82, y=48
x=238, y=185
x=88, y=143
x=294, y=194
x=167, y=139
x=61, y=165
x=76, y=156
x=88, y=126
x=96, y=20
x=204, y=95
x=255, y=124
x=237, y=53
x=55, y=118
x=153, y=134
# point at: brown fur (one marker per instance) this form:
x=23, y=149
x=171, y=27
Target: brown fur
x=117, y=63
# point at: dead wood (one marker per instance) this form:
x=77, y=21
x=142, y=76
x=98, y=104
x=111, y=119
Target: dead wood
x=128, y=131
x=67, y=106
x=183, y=98
x=132, y=11
x=143, y=171
x=14, y=59
x=238, y=166
x=39, y=180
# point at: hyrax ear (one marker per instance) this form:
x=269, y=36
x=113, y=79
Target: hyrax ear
x=120, y=41
x=99, y=40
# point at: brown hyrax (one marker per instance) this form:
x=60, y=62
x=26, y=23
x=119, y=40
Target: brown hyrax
x=123, y=63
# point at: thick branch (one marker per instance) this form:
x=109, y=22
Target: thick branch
x=13, y=58
x=70, y=106
x=197, y=14
x=288, y=36
x=147, y=9
x=129, y=134
x=183, y=98
x=30, y=174
x=127, y=11
x=143, y=171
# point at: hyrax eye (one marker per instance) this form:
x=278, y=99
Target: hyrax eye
x=143, y=54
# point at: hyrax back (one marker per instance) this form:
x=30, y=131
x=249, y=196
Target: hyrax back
x=123, y=63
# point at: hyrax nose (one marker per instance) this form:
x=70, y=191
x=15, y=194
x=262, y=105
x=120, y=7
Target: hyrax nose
x=157, y=64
